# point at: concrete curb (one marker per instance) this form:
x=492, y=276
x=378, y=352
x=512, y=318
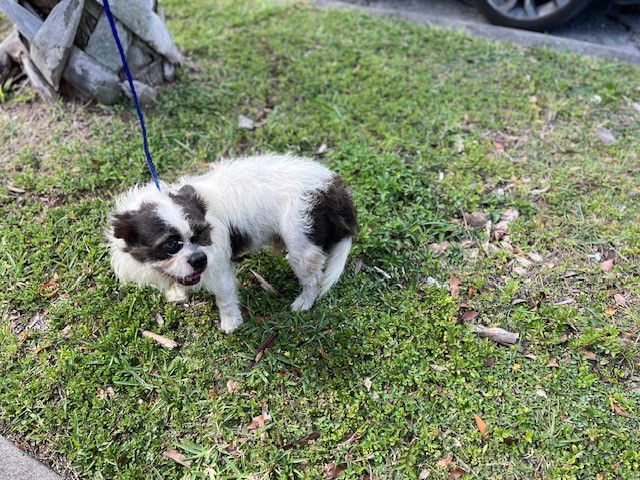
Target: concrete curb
x=17, y=465
x=493, y=32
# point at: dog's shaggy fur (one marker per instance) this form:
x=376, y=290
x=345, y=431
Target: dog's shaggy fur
x=187, y=236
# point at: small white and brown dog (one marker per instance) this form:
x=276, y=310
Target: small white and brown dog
x=188, y=235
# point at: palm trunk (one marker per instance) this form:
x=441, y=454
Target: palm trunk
x=65, y=48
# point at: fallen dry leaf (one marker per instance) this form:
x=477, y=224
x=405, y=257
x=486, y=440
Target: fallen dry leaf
x=438, y=368
x=482, y=427
x=39, y=321
x=268, y=343
x=331, y=470
x=471, y=292
x=523, y=261
x=476, y=219
x=507, y=246
x=322, y=149
x=620, y=300
x=501, y=228
x=610, y=311
x=66, y=331
x=51, y=288
x=257, y=423
x=469, y=316
x=496, y=334
x=616, y=409
x=232, y=386
x=245, y=123
x=520, y=270
x=263, y=114
x=353, y=438
x=605, y=135
x=357, y=265
x=606, y=265
x=13, y=189
x=457, y=473
x=176, y=456
x=509, y=215
x=111, y=392
x=424, y=474
x=589, y=354
x=439, y=248
x=566, y=301
x=535, y=257
x=266, y=286
x=541, y=393
x=539, y=191
x=367, y=383
x=159, y=320
x=444, y=463
x=302, y=441
x=454, y=286
x=164, y=341
x=39, y=349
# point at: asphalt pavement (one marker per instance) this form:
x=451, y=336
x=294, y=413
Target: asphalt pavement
x=603, y=29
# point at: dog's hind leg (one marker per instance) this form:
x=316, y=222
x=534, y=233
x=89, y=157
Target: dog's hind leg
x=307, y=261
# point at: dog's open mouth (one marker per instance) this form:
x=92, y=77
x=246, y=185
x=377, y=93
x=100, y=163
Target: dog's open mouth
x=191, y=279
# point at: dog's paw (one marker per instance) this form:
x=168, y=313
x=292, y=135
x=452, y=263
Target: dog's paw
x=229, y=324
x=176, y=295
x=302, y=303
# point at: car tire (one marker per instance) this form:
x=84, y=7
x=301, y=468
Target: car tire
x=555, y=17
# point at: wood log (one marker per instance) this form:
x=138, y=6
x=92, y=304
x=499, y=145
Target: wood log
x=102, y=47
x=145, y=23
x=38, y=81
x=26, y=22
x=51, y=46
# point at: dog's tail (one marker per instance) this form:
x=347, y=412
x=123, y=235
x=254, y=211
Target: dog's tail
x=335, y=264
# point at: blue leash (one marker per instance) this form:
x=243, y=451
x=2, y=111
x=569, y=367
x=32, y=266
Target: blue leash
x=125, y=66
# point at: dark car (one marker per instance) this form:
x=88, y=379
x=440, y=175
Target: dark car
x=535, y=14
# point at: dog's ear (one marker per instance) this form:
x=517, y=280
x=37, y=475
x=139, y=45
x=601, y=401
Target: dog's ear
x=124, y=227
x=187, y=196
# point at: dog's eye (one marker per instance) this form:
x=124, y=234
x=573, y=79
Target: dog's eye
x=172, y=246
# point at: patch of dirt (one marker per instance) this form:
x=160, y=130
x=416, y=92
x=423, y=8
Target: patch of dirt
x=33, y=123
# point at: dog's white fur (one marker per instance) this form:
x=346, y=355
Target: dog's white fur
x=264, y=196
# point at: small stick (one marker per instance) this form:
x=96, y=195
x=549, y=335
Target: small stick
x=164, y=341
x=496, y=334
x=264, y=284
x=303, y=441
x=268, y=343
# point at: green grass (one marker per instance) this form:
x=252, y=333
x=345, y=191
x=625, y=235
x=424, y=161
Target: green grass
x=424, y=124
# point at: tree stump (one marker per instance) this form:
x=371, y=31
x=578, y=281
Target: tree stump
x=66, y=48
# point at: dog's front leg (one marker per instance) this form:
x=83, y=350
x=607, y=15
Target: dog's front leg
x=176, y=294
x=223, y=284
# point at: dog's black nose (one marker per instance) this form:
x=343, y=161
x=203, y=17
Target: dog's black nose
x=198, y=260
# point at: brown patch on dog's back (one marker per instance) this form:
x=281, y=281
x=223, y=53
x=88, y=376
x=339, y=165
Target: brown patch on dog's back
x=333, y=215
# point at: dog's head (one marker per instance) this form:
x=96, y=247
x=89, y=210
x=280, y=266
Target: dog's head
x=165, y=232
